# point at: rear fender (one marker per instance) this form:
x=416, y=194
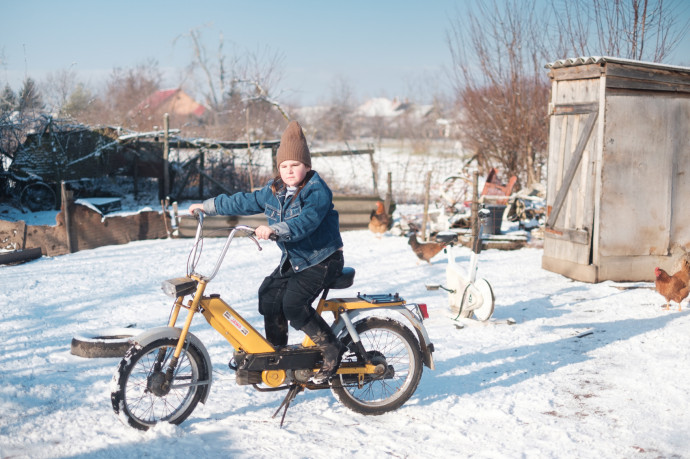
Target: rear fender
x=153, y=334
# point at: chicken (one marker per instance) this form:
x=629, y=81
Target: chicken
x=424, y=250
x=676, y=287
x=380, y=221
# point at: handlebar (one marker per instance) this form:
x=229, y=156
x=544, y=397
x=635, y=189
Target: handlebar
x=199, y=215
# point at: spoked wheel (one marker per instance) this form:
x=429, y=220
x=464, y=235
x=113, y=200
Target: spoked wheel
x=140, y=393
x=38, y=196
x=391, y=344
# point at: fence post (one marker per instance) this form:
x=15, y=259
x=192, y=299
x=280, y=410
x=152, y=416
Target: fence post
x=166, y=152
x=374, y=172
x=66, y=198
x=427, y=191
x=474, y=215
x=202, y=161
x=389, y=195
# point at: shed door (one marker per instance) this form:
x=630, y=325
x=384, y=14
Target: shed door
x=570, y=194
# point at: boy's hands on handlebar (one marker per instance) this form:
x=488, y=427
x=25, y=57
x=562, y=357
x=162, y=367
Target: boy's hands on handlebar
x=263, y=232
x=197, y=206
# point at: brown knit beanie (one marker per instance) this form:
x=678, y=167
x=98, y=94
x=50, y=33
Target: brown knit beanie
x=293, y=145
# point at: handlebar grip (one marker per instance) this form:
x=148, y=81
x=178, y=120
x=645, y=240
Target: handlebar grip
x=273, y=237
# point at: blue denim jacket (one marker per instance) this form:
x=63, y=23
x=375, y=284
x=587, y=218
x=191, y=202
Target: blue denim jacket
x=307, y=227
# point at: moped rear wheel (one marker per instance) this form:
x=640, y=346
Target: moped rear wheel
x=394, y=345
x=139, y=394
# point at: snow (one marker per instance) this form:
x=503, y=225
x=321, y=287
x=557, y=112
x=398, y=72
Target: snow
x=587, y=370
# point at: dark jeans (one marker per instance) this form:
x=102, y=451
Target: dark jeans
x=287, y=295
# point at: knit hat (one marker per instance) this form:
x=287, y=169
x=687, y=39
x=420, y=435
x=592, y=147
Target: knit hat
x=293, y=145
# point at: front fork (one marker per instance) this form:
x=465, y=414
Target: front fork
x=193, y=307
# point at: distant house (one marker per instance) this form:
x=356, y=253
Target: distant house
x=182, y=109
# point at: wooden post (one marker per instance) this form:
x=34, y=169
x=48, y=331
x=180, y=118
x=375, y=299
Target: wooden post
x=66, y=197
x=427, y=191
x=374, y=172
x=274, y=154
x=474, y=216
x=201, y=177
x=135, y=175
x=166, y=152
x=389, y=194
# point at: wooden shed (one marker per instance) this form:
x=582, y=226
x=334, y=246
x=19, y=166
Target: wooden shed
x=618, y=188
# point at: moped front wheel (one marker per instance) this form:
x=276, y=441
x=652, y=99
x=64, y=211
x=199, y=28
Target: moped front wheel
x=389, y=343
x=140, y=394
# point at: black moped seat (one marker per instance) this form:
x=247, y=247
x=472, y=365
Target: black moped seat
x=345, y=280
x=447, y=237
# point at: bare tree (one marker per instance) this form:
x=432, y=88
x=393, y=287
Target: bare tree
x=126, y=89
x=498, y=54
x=58, y=86
x=337, y=122
x=217, y=73
x=238, y=89
x=632, y=29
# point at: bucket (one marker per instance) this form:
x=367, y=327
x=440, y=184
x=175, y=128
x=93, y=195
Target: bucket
x=492, y=225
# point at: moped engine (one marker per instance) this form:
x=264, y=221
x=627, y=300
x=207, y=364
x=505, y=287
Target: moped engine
x=301, y=376
x=273, y=378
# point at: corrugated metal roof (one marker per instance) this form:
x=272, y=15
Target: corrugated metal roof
x=573, y=62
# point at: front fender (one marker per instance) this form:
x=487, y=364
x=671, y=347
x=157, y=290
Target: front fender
x=153, y=334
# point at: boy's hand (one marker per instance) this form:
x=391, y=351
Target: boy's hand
x=194, y=207
x=263, y=232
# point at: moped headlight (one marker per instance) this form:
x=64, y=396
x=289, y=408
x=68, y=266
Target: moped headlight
x=180, y=286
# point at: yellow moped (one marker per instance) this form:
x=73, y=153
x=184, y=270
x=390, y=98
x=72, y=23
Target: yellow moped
x=167, y=370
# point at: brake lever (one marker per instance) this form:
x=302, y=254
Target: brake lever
x=251, y=236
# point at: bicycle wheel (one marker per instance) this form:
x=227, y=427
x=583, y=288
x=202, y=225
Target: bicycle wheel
x=389, y=343
x=38, y=196
x=138, y=392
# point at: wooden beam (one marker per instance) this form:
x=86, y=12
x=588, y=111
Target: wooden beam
x=20, y=256
x=324, y=154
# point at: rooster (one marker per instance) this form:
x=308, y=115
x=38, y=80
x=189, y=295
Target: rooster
x=676, y=287
x=380, y=221
x=424, y=250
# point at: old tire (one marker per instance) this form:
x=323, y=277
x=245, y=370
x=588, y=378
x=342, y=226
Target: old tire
x=109, y=342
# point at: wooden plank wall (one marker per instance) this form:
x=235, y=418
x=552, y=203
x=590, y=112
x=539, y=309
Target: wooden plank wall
x=354, y=213
x=88, y=228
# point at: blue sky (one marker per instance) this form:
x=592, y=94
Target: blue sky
x=379, y=48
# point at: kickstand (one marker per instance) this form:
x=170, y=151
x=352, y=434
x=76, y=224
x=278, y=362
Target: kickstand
x=292, y=393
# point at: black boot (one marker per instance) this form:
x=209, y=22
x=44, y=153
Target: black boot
x=276, y=331
x=332, y=349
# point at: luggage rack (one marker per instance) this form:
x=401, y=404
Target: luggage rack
x=380, y=298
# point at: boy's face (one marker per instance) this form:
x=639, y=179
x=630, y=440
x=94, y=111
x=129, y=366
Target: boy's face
x=293, y=172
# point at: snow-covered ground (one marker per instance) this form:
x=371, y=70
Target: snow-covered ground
x=586, y=371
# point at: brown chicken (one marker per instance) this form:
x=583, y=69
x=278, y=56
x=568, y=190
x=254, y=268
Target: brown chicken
x=676, y=287
x=424, y=250
x=380, y=221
